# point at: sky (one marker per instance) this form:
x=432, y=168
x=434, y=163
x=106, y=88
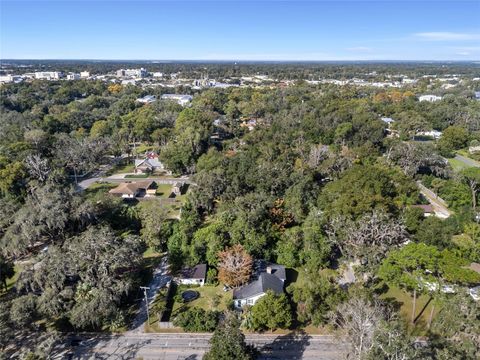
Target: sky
x=240, y=30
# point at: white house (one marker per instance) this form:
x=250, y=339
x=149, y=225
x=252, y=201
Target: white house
x=433, y=134
x=84, y=74
x=147, y=99
x=272, y=279
x=150, y=163
x=180, y=99
x=429, y=98
x=193, y=276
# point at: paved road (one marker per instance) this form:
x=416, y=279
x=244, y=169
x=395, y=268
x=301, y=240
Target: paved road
x=439, y=205
x=161, y=277
x=193, y=346
x=467, y=161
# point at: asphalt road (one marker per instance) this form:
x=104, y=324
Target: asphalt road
x=467, y=161
x=193, y=346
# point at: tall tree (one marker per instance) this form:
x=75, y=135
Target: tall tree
x=471, y=176
x=235, y=266
x=228, y=341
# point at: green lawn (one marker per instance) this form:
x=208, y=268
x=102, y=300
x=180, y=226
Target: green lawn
x=210, y=298
x=405, y=301
x=97, y=187
x=136, y=176
x=164, y=190
x=457, y=165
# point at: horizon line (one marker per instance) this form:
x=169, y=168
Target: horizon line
x=239, y=60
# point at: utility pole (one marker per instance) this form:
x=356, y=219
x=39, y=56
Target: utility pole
x=145, y=288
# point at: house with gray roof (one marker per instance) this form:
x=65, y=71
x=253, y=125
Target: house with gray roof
x=271, y=278
x=192, y=275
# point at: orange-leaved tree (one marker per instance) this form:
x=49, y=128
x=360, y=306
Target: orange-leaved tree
x=234, y=266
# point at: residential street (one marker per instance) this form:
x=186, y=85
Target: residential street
x=439, y=205
x=193, y=346
x=467, y=161
x=160, y=278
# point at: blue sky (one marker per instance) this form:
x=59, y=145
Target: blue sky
x=240, y=30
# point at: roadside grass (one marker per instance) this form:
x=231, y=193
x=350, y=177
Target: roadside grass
x=97, y=188
x=121, y=168
x=136, y=176
x=457, y=165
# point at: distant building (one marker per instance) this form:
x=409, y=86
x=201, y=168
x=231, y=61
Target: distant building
x=138, y=73
x=180, y=99
x=149, y=164
x=10, y=78
x=433, y=134
x=128, y=82
x=84, y=74
x=387, y=120
x=48, y=75
x=429, y=98
x=477, y=95
x=73, y=76
x=147, y=99
x=157, y=74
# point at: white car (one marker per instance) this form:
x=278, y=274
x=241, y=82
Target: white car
x=475, y=293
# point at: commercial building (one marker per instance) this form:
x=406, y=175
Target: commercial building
x=48, y=75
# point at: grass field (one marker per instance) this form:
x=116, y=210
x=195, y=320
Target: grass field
x=404, y=301
x=164, y=190
x=97, y=187
x=457, y=165
x=210, y=298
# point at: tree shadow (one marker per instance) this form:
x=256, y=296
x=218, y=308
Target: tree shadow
x=290, y=346
x=80, y=347
x=423, y=310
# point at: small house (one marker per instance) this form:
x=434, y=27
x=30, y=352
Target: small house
x=428, y=210
x=149, y=164
x=272, y=279
x=193, y=275
x=131, y=190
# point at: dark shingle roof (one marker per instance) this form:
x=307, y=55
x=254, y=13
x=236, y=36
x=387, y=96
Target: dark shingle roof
x=264, y=283
x=197, y=272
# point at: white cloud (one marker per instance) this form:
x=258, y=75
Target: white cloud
x=446, y=36
x=463, y=53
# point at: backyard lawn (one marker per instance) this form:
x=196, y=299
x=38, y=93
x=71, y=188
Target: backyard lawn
x=211, y=298
x=405, y=301
x=164, y=190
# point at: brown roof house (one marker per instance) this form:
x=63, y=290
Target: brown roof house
x=428, y=210
x=192, y=275
x=131, y=190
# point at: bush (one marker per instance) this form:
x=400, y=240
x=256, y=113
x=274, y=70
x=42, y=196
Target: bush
x=197, y=320
x=212, y=278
